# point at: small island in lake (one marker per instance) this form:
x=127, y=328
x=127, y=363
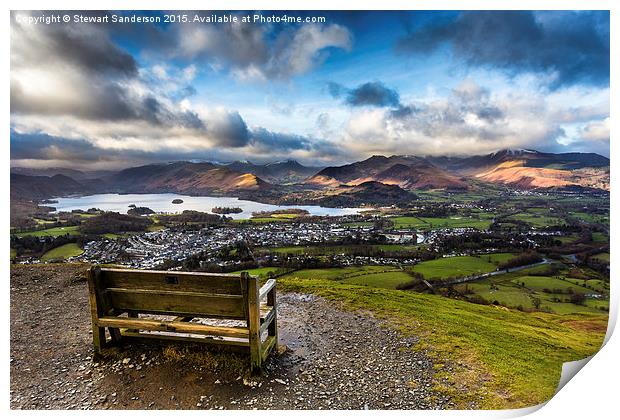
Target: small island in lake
x=226, y=210
x=177, y=201
x=140, y=211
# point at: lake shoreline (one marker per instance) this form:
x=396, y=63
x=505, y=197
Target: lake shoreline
x=162, y=203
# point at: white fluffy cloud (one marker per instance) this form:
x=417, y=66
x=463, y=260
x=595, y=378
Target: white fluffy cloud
x=471, y=120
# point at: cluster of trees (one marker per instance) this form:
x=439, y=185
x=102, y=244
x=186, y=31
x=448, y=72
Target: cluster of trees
x=140, y=211
x=525, y=258
x=433, y=211
x=38, y=245
x=226, y=210
x=111, y=222
x=193, y=216
x=482, y=240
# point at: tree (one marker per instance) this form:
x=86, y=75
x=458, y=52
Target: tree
x=578, y=298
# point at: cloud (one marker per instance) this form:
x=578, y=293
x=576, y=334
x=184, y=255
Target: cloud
x=229, y=129
x=568, y=47
x=597, y=131
x=279, y=141
x=374, y=94
x=254, y=52
x=82, y=45
x=469, y=120
x=76, y=70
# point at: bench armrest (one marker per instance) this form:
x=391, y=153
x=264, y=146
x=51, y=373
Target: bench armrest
x=264, y=291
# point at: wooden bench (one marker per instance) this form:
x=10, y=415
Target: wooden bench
x=119, y=296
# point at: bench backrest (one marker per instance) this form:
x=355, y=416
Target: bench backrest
x=173, y=293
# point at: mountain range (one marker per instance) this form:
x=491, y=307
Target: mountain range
x=378, y=179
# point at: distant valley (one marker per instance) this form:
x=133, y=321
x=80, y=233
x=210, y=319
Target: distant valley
x=378, y=180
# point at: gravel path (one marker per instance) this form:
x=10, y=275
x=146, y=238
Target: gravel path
x=328, y=359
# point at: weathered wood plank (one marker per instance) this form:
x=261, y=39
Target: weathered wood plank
x=254, y=322
x=176, y=303
x=96, y=311
x=172, y=280
x=242, y=345
x=269, y=318
x=268, y=345
x=273, y=302
x=270, y=284
x=173, y=326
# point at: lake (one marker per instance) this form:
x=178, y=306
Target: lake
x=162, y=203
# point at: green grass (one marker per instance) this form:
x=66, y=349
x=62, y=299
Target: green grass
x=62, y=252
x=387, y=280
x=538, y=283
x=512, y=359
x=260, y=272
x=339, y=273
x=409, y=222
x=155, y=228
x=600, y=237
x=441, y=222
x=506, y=295
x=339, y=249
x=42, y=222
x=370, y=275
x=55, y=231
x=603, y=256
x=537, y=220
x=454, y=267
x=13, y=253
x=498, y=258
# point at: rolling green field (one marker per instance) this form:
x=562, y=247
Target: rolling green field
x=460, y=266
x=62, y=252
x=339, y=249
x=538, y=283
x=537, y=219
x=521, y=289
x=260, y=272
x=442, y=222
x=518, y=354
x=55, y=231
x=371, y=275
x=604, y=256
x=600, y=237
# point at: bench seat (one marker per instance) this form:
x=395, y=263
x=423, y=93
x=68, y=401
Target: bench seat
x=119, y=296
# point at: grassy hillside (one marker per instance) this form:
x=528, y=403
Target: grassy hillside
x=62, y=252
x=509, y=358
x=459, y=266
x=55, y=231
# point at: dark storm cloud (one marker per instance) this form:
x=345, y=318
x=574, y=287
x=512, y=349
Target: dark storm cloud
x=230, y=130
x=45, y=147
x=572, y=45
x=279, y=141
x=373, y=94
x=98, y=80
x=368, y=94
x=84, y=45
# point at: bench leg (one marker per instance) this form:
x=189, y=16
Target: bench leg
x=99, y=339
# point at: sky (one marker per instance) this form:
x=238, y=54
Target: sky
x=113, y=95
